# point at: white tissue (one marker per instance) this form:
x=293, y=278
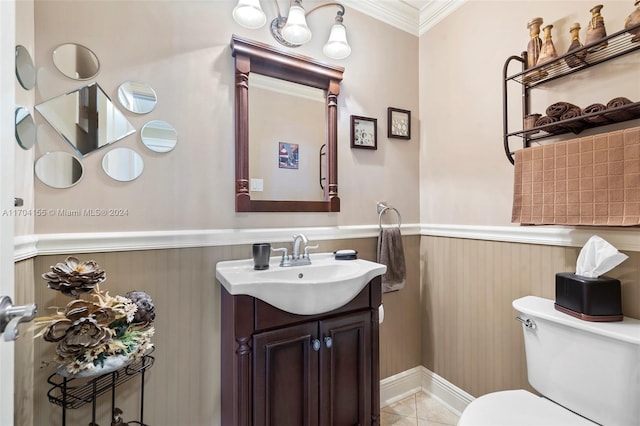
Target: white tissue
x=598, y=257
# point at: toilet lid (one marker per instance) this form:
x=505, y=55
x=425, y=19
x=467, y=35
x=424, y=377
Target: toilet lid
x=518, y=408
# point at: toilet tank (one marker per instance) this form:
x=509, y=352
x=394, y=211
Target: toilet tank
x=591, y=368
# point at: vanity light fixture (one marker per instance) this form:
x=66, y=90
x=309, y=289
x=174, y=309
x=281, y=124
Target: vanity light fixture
x=292, y=31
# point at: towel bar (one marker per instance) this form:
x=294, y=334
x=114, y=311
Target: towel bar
x=383, y=208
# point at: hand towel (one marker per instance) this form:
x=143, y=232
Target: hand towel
x=622, y=115
x=593, y=108
x=576, y=126
x=391, y=253
x=544, y=120
x=557, y=198
x=559, y=108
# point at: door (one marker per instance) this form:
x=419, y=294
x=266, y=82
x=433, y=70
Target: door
x=345, y=370
x=285, y=376
x=7, y=145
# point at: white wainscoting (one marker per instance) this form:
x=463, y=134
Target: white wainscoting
x=97, y=242
x=28, y=246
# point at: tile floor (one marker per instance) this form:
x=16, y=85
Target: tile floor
x=419, y=409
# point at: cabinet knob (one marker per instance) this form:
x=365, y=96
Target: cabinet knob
x=315, y=344
x=328, y=341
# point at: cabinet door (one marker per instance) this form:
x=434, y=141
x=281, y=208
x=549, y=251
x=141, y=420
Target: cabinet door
x=345, y=371
x=285, y=383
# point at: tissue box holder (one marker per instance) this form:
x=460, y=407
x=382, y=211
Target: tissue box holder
x=590, y=299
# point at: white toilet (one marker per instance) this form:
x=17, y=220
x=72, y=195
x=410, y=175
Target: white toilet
x=588, y=372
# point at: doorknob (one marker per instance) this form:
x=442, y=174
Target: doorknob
x=328, y=341
x=11, y=316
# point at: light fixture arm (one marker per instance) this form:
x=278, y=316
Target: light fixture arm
x=340, y=12
x=278, y=8
x=279, y=22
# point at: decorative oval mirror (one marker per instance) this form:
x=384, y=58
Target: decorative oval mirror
x=122, y=164
x=159, y=136
x=137, y=97
x=76, y=61
x=25, y=128
x=25, y=70
x=59, y=169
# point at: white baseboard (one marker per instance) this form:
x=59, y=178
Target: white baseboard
x=400, y=386
x=408, y=382
x=446, y=392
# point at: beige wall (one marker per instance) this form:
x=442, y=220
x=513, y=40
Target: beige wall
x=465, y=177
x=470, y=336
x=181, y=48
x=183, y=387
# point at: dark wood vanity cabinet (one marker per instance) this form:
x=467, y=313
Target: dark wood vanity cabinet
x=281, y=369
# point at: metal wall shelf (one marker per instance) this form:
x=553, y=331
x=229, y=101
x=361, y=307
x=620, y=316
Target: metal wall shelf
x=618, y=44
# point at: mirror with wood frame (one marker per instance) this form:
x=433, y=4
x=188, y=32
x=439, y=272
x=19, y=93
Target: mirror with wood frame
x=254, y=57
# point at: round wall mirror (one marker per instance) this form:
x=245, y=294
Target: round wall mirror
x=159, y=136
x=25, y=128
x=59, y=169
x=137, y=97
x=25, y=70
x=76, y=61
x=122, y=164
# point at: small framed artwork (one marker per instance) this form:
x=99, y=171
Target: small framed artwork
x=288, y=157
x=398, y=123
x=364, y=132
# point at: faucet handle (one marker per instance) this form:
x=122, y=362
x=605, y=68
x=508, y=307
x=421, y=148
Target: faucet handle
x=283, y=250
x=307, y=248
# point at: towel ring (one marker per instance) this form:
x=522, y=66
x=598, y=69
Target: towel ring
x=383, y=209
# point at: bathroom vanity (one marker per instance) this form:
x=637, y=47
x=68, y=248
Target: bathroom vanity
x=280, y=368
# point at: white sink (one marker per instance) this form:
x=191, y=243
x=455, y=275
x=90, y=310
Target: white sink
x=323, y=286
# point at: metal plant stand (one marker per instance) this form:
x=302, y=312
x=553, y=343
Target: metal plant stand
x=74, y=393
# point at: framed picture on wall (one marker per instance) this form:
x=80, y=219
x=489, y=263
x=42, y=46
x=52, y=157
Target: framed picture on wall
x=398, y=123
x=364, y=132
x=288, y=157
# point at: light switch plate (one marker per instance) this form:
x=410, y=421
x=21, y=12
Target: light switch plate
x=257, y=185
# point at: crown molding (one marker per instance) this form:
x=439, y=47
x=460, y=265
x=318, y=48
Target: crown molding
x=435, y=11
x=405, y=16
x=396, y=13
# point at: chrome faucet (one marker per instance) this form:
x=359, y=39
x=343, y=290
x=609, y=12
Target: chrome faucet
x=296, y=244
x=296, y=259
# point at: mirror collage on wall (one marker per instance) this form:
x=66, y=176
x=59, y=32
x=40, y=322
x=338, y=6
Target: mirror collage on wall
x=87, y=120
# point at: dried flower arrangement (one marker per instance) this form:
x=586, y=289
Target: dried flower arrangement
x=94, y=335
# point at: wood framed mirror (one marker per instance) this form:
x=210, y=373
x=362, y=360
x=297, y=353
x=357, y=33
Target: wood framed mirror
x=259, y=58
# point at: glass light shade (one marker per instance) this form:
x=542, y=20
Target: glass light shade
x=249, y=14
x=337, y=46
x=296, y=30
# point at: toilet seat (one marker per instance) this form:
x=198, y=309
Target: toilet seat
x=518, y=408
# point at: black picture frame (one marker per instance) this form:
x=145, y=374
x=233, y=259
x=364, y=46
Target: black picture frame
x=398, y=123
x=364, y=132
